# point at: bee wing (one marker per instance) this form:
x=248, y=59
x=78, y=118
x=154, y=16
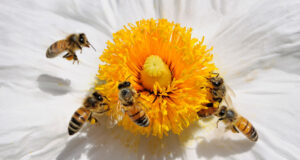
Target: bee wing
x=116, y=115
x=228, y=100
x=230, y=91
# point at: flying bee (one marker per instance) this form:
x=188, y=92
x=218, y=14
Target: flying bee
x=94, y=106
x=218, y=92
x=236, y=122
x=129, y=99
x=72, y=43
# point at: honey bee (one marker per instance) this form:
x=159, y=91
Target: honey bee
x=128, y=97
x=72, y=43
x=93, y=107
x=236, y=122
x=218, y=92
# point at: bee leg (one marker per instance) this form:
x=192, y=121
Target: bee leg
x=78, y=45
x=67, y=55
x=92, y=120
x=75, y=58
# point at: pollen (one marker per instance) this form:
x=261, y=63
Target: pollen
x=166, y=66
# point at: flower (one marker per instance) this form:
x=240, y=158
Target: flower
x=169, y=70
x=255, y=49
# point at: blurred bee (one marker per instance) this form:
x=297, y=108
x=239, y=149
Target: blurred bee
x=218, y=92
x=72, y=43
x=236, y=123
x=128, y=98
x=93, y=107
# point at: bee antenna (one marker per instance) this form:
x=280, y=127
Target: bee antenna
x=92, y=46
x=127, y=77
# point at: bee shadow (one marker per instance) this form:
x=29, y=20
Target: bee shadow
x=53, y=85
x=223, y=147
x=96, y=142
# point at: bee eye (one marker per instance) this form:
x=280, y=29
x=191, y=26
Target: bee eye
x=124, y=84
x=81, y=40
x=120, y=86
x=216, y=83
x=127, y=84
x=222, y=112
x=98, y=96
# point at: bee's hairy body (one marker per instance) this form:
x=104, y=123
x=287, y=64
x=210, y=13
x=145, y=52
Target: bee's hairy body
x=236, y=123
x=93, y=107
x=72, y=43
x=218, y=92
x=132, y=107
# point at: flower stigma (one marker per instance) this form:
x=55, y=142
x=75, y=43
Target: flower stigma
x=166, y=66
x=155, y=71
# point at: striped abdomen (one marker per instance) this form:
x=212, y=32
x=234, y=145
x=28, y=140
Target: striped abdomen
x=56, y=48
x=207, y=112
x=246, y=128
x=78, y=119
x=138, y=116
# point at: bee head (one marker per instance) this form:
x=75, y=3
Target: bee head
x=126, y=94
x=124, y=84
x=226, y=113
x=83, y=40
x=216, y=81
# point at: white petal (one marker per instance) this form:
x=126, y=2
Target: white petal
x=264, y=37
x=39, y=95
x=245, y=36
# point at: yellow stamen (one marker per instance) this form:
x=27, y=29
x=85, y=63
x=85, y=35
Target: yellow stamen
x=167, y=67
x=155, y=71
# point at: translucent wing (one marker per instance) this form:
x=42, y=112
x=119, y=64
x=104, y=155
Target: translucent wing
x=116, y=115
x=227, y=98
x=230, y=91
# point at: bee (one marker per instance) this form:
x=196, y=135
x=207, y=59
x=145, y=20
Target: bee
x=128, y=98
x=94, y=106
x=72, y=43
x=236, y=122
x=218, y=92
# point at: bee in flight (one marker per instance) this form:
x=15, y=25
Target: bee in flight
x=72, y=43
x=94, y=106
x=129, y=100
x=236, y=122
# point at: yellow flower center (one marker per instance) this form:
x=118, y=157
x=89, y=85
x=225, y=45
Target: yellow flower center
x=167, y=68
x=155, y=71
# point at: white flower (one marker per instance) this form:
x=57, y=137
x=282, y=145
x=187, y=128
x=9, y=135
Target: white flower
x=256, y=46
